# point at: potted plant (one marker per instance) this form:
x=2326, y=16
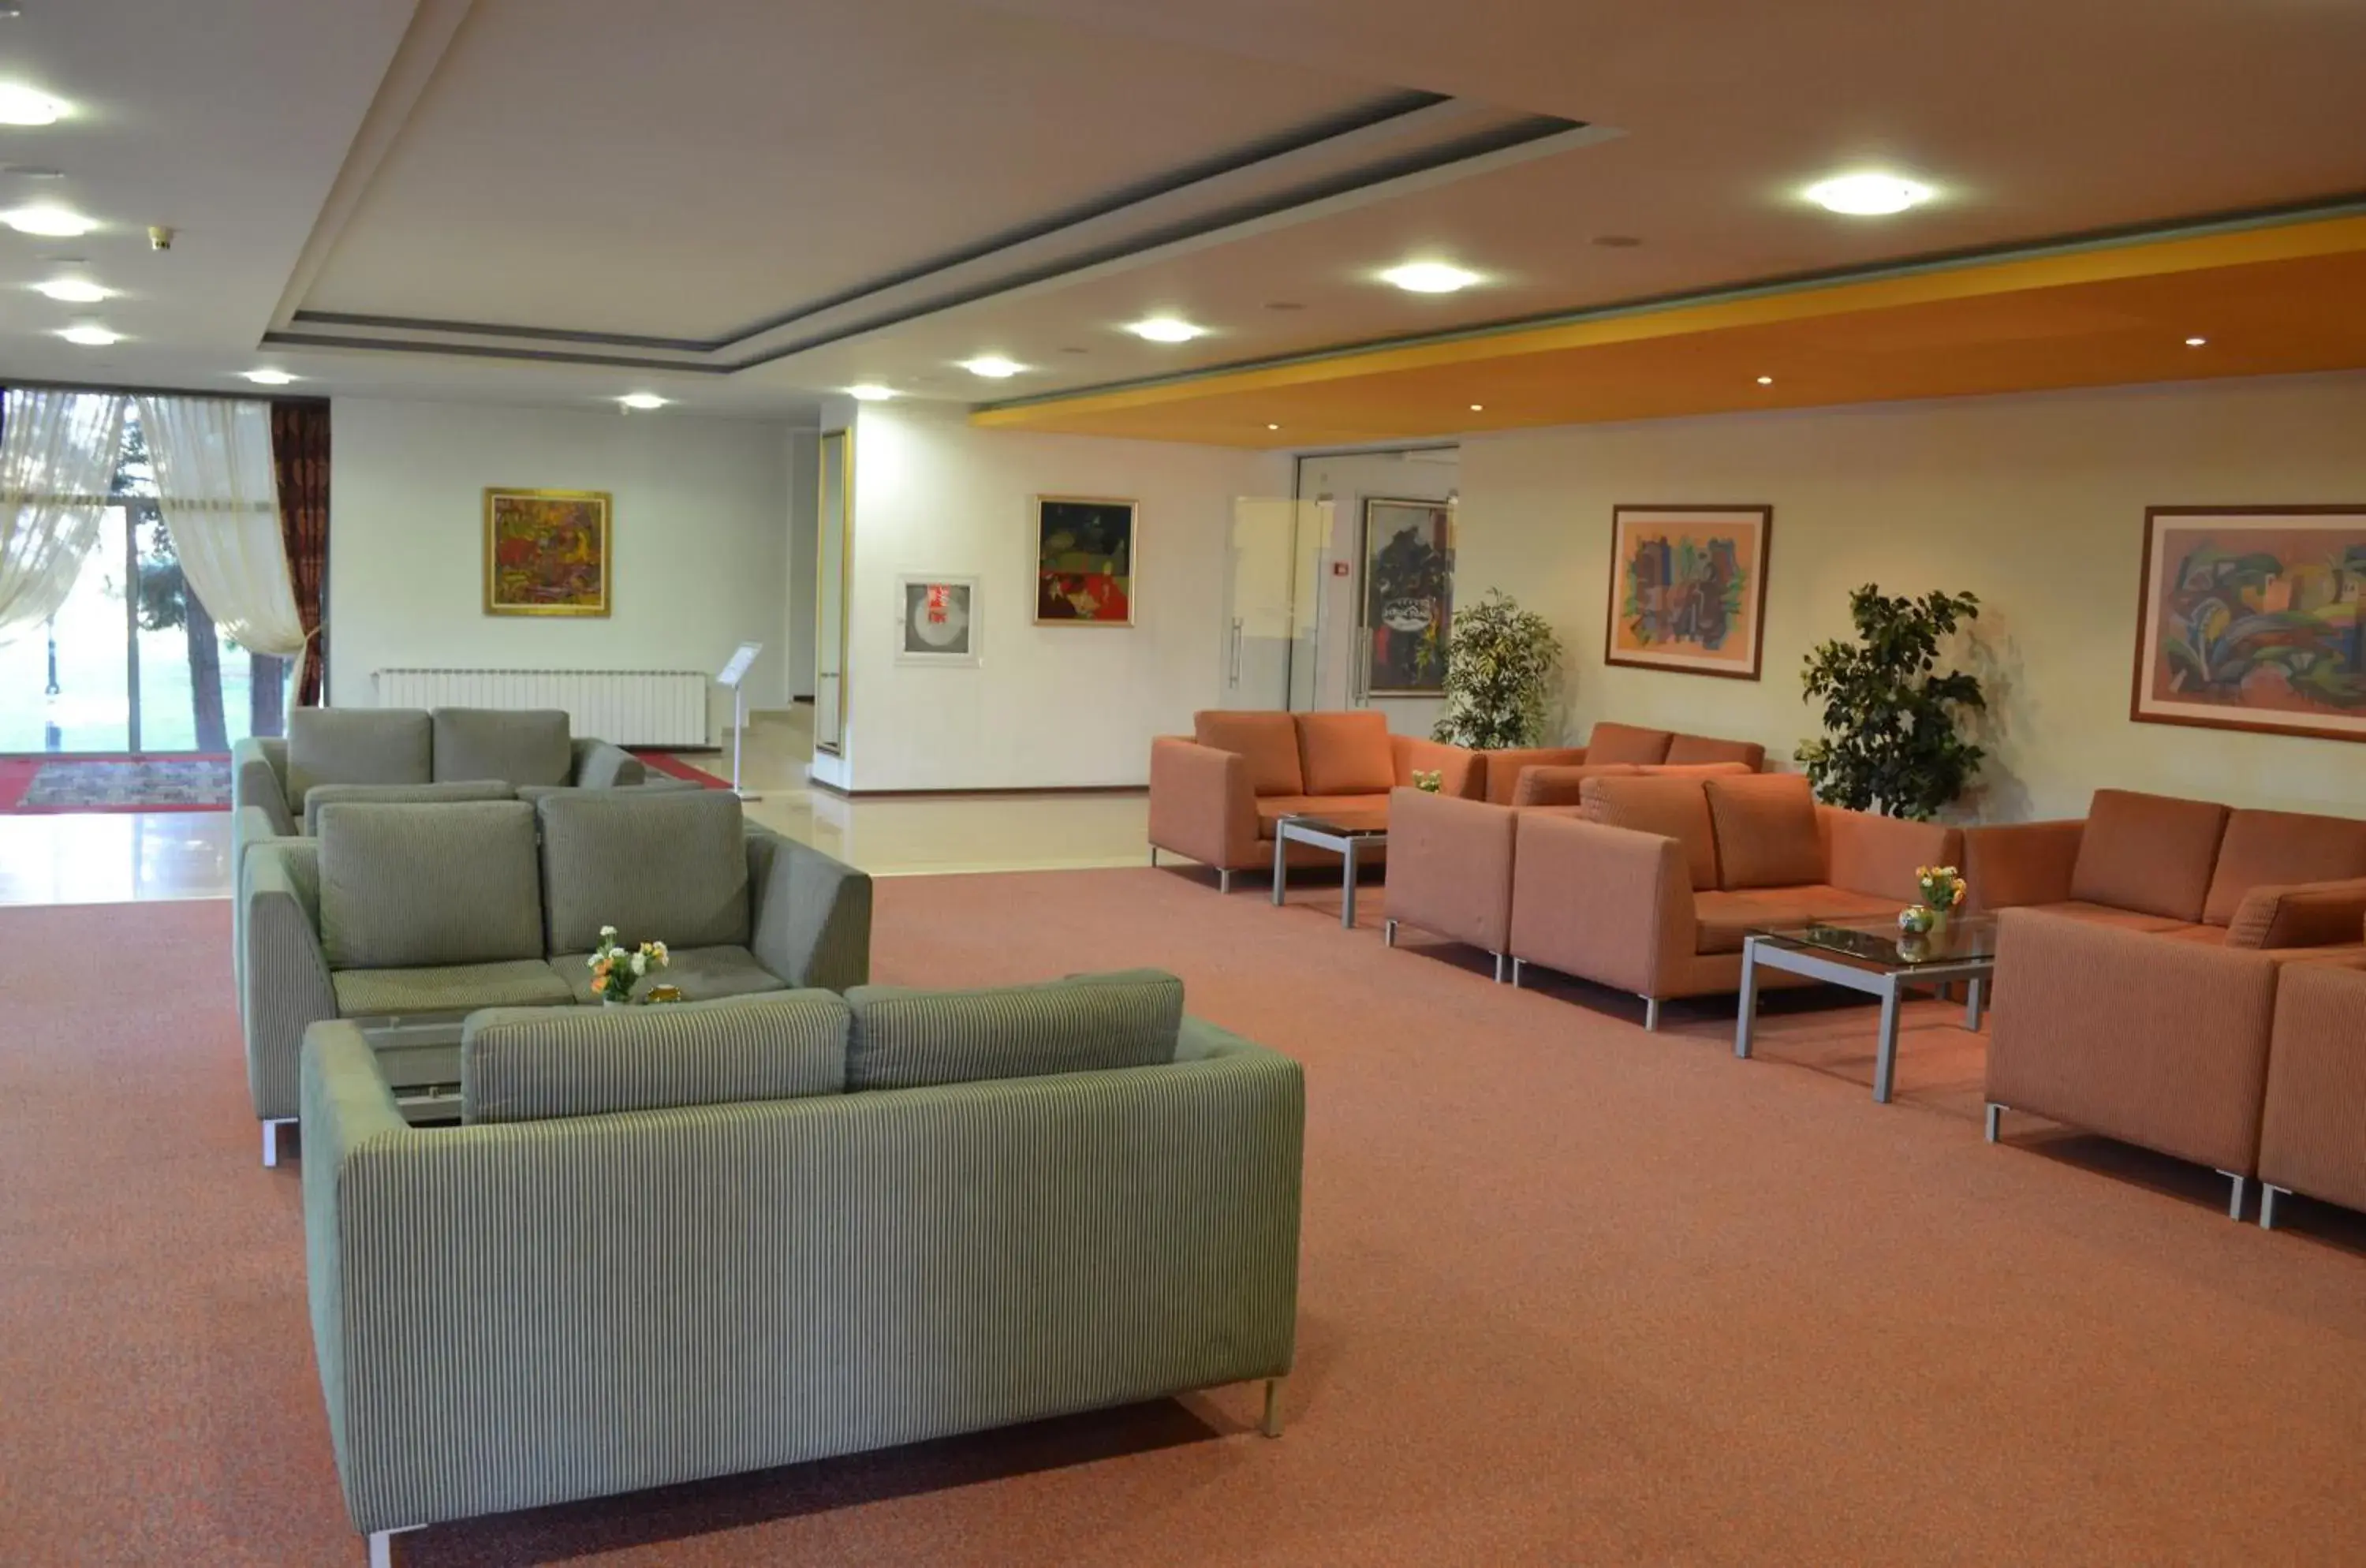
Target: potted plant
x=1499, y=670
x=1892, y=737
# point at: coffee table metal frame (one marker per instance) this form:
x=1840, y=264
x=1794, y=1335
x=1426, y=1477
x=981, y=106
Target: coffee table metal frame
x=1890, y=984
x=1323, y=834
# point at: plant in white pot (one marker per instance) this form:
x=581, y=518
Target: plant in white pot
x=1499, y=674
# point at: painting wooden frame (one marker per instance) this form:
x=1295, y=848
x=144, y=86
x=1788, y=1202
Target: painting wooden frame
x=1644, y=614
x=546, y=552
x=2288, y=652
x=1088, y=560
x=965, y=646
x=1404, y=607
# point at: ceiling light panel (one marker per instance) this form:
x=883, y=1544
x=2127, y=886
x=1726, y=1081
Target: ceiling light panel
x=49, y=222
x=643, y=401
x=993, y=367
x=267, y=377
x=20, y=105
x=1166, y=328
x=1868, y=194
x=1430, y=278
x=90, y=337
x=73, y=290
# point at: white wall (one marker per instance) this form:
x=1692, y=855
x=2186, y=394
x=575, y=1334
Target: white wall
x=1049, y=706
x=2035, y=503
x=699, y=544
x=804, y=479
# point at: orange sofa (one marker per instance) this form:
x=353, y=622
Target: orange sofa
x=2139, y=959
x=1215, y=797
x=1611, y=743
x=1652, y=884
x=2313, y=1124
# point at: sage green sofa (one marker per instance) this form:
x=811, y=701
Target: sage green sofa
x=407, y=918
x=676, y=1242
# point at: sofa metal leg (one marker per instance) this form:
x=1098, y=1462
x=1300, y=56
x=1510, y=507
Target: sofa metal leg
x=1652, y=1013
x=1223, y=882
x=1387, y=933
x=1517, y=964
x=1154, y=855
x=1995, y=1118
x=271, y=1126
x=1271, y=1425
x=1499, y=968
x=2268, y=1195
x=381, y=1545
x=2235, y=1199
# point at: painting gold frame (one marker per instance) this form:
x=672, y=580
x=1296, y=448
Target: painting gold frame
x=1133, y=558
x=496, y=494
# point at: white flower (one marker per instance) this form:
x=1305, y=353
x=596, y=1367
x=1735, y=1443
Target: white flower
x=640, y=964
x=658, y=951
x=608, y=931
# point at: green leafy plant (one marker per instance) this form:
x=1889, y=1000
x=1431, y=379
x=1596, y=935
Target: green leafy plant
x=1499, y=670
x=1893, y=741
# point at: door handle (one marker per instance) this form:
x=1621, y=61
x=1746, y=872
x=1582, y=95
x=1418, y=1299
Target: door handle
x=1237, y=624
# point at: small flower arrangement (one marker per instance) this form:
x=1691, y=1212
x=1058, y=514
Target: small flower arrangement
x=1941, y=887
x=1429, y=781
x=616, y=970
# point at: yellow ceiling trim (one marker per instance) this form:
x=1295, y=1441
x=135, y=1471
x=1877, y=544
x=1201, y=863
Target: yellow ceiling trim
x=2233, y=248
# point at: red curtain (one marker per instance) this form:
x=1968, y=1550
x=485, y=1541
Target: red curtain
x=299, y=449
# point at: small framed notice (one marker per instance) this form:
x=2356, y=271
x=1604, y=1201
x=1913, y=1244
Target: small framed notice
x=732, y=673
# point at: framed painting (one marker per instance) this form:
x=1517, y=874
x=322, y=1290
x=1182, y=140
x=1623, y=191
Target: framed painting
x=1084, y=560
x=1408, y=599
x=1688, y=589
x=937, y=620
x=545, y=552
x=2252, y=619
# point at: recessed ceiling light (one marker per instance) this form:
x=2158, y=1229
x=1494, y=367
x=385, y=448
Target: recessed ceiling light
x=643, y=401
x=73, y=290
x=993, y=367
x=1767, y=380
x=1273, y=427
x=871, y=392
x=1429, y=277
x=1868, y=195
x=50, y=222
x=2195, y=341
x=90, y=337
x=1477, y=408
x=267, y=377
x=21, y=105
x=1166, y=329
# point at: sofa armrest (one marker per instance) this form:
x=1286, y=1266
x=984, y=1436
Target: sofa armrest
x=1201, y=806
x=1605, y=904
x=599, y=765
x=2019, y=863
x=1462, y=773
x=255, y=782
x=1504, y=768
x=813, y=914
x=2156, y=1043
x=1880, y=856
x=2314, y=1119
x=285, y=980
x=2309, y=914
x=1450, y=866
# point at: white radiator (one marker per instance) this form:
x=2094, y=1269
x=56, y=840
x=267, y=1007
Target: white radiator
x=630, y=707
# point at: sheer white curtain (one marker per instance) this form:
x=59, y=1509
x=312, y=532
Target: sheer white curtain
x=58, y=453
x=219, y=497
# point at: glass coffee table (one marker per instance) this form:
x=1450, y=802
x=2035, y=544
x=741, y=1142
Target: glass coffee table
x=1345, y=834
x=1874, y=957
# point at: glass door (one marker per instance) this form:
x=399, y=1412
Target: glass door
x=834, y=542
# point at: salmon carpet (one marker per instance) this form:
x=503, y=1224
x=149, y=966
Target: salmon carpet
x=1572, y=1294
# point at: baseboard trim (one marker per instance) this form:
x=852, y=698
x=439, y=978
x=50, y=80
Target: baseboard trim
x=997, y=793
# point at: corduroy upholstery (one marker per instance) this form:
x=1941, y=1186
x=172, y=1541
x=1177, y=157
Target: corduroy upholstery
x=1266, y=743
x=905, y=1038
x=516, y=1314
x=1450, y=866
x=2313, y=1125
x=1502, y=770
x=2016, y=864
x=2312, y=915
x=1688, y=751
x=664, y=867
x=1673, y=807
x=454, y=793
x=2151, y=853
x=1766, y=830
x=357, y=746
x=447, y=988
x=524, y=1064
x=1612, y=742
x=1344, y=754
x=408, y=886
x=1553, y=786
x=2275, y=849
x=523, y=746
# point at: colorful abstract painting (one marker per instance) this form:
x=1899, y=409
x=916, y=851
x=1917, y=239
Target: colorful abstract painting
x=545, y=552
x=939, y=620
x=1084, y=561
x=1408, y=610
x=1688, y=588
x=2252, y=620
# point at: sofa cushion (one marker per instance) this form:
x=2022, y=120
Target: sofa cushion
x=1722, y=919
x=2151, y=853
x=1612, y=742
x=1564, y=785
x=700, y=974
x=1686, y=749
x=1353, y=809
x=1672, y=807
x=357, y=746
x=526, y=1064
x=1346, y=753
x=658, y=866
x=323, y=795
x=450, y=987
x=1266, y=743
x=518, y=746
x=1765, y=826
x=2278, y=849
x=2313, y=915
x=903, y=1039
x=414, y=886
x=2123, y=920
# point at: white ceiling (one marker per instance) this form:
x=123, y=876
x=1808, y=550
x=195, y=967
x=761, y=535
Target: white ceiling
x=607, y=167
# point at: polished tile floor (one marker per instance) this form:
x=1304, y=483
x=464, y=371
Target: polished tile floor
x=103, y=859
